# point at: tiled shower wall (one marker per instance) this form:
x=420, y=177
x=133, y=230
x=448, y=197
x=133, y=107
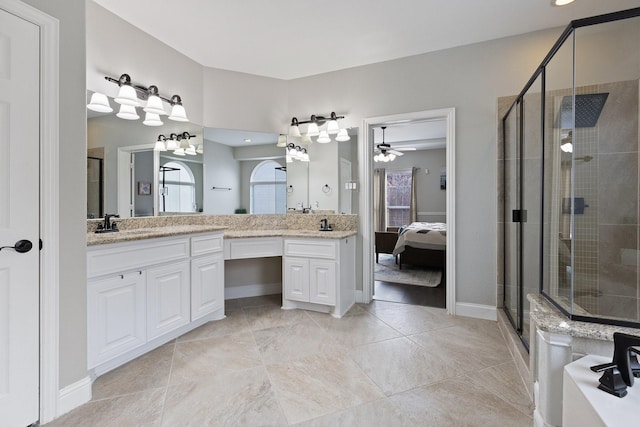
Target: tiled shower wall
x=605, y=168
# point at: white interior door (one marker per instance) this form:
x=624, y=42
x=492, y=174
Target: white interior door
x=19, y=219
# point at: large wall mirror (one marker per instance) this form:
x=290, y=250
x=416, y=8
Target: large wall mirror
x=236, y=171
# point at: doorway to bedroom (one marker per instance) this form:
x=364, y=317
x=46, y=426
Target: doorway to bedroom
x=409, y=212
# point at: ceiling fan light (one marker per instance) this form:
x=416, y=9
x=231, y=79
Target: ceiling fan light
x=324, y=138
x=567, y=147
x=152, y=119
x=391, y=156
x=99, y=103
x=127, y=112
x=343, y=136
x=127, y=96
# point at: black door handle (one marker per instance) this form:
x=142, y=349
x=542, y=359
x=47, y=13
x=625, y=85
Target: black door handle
x=21, y=246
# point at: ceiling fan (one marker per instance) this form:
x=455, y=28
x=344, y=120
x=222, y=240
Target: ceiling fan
x=383, y=151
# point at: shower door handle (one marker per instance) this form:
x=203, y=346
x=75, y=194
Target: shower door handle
x=518, y=215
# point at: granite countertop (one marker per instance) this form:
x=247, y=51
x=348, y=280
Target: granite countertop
x=148, y=233
x=549, y=319
x=316, y=234
x=176, y=230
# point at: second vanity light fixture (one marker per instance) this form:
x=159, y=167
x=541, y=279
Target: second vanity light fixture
x=295, y=152
x=132, y=96
x=313, y=130
x=179, y=144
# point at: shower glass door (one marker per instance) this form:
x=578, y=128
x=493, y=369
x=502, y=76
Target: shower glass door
x=522, y=205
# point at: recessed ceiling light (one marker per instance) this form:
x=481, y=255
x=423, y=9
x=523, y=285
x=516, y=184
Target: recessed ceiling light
x=561, y=2
x=247, y=140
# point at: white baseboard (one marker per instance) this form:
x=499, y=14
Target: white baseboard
x=74, y=395
x=256, y=290
x=477, y=311
x=359, y=297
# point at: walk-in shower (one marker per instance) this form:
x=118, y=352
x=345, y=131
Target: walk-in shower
x=570, y=178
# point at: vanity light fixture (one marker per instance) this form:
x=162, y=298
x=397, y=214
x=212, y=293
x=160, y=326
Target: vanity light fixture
x=295, y=152
x=314, y=124
x=178, y=143
x=133, y=96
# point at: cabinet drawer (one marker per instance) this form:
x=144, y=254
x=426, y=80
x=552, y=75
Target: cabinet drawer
x=129, y=256
x=208, y=244
x=259, y=247
x=326, y=249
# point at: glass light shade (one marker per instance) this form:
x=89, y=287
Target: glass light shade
x=376, y=158
x=288, y=158
x=100, y=103
x=293, y=152
x=172, y=144
x=391, y=156
x=324, y=137
x=562, y=2
x=160, y=146
x=191, y=150
x=305, y=157
x=313, y=130
x=200, y=149
x=128, y=112
x=151, y=119
x=127, y=96
x=179, y=152
x=306, y=139
x=294, y=131
x=343, y=136
x=332, y=127
x=154, y=105
x=184, y=143
x=282, y=141
x=567, y=147
x=178, y=113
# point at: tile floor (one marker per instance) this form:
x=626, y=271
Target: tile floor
x=384, y=364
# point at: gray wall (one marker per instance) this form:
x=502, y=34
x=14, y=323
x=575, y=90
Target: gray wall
x=73, y=169
x=144, y=172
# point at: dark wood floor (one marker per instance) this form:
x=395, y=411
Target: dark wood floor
x=410, y=294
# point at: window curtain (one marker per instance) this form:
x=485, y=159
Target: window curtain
x=379, y=204
x=413, y=207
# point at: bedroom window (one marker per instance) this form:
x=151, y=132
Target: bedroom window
x=398, y=197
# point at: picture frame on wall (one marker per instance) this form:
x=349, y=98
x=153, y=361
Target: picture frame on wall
x=144, y=188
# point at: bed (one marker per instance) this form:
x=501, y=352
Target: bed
x=422, y=244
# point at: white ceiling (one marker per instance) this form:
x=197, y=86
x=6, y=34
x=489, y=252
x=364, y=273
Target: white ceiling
x=288, y=39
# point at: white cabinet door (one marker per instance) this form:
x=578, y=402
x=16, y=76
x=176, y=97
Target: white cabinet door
x=168, y=302
x=296, y=279
x=207, y=285
x=322, y=282
x=116, y=316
